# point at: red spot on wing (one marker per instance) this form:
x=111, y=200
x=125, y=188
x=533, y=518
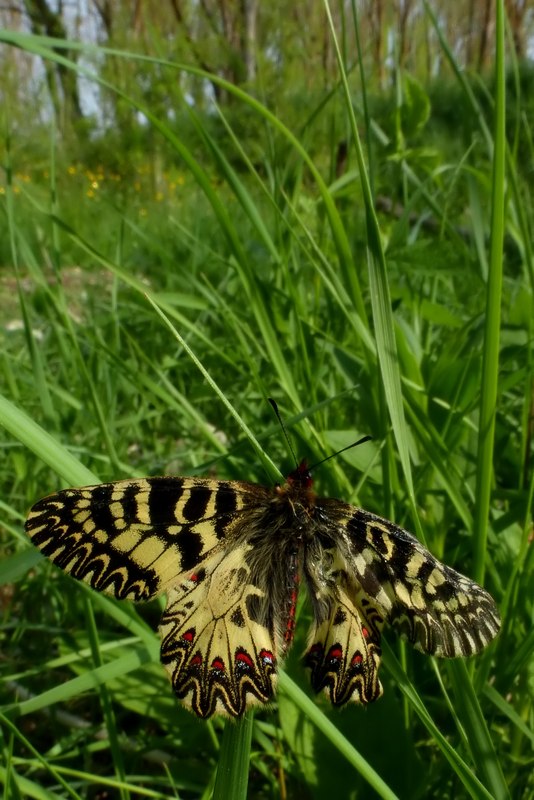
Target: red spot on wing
x=188, y=636
x=218, y=663
x=243, y=658
x=267, y=657
x=357, y=659
x=365, y=633
x=196, y=660
x=335, y=653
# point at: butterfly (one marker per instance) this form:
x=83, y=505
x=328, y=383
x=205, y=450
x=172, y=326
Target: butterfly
x=230, y=557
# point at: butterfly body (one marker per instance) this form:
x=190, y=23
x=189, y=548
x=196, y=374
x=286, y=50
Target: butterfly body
x=231, y=556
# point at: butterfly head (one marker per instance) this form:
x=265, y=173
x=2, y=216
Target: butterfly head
x=301, y=477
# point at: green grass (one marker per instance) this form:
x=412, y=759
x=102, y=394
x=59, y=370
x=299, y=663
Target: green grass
x=153, y=328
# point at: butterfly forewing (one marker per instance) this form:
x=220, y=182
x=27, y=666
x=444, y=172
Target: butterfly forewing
x=133, y=538
x=440, y=611
x=229, y=555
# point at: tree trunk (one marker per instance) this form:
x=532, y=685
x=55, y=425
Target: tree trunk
x=376, y=21
x=404, y=9
x=516, y=10
x=250, y=15
x=67, y=104
x=485, y=34
x=105, y=12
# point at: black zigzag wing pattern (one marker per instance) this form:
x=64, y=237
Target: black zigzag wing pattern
x=130, y=538
x=231, y=555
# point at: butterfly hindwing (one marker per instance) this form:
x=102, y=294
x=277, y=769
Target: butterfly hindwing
x=219, y=659
x=228, y=623
x=344, y=653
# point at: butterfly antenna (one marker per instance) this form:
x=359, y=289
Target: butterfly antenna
x=281, y=421
x=348, y=447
